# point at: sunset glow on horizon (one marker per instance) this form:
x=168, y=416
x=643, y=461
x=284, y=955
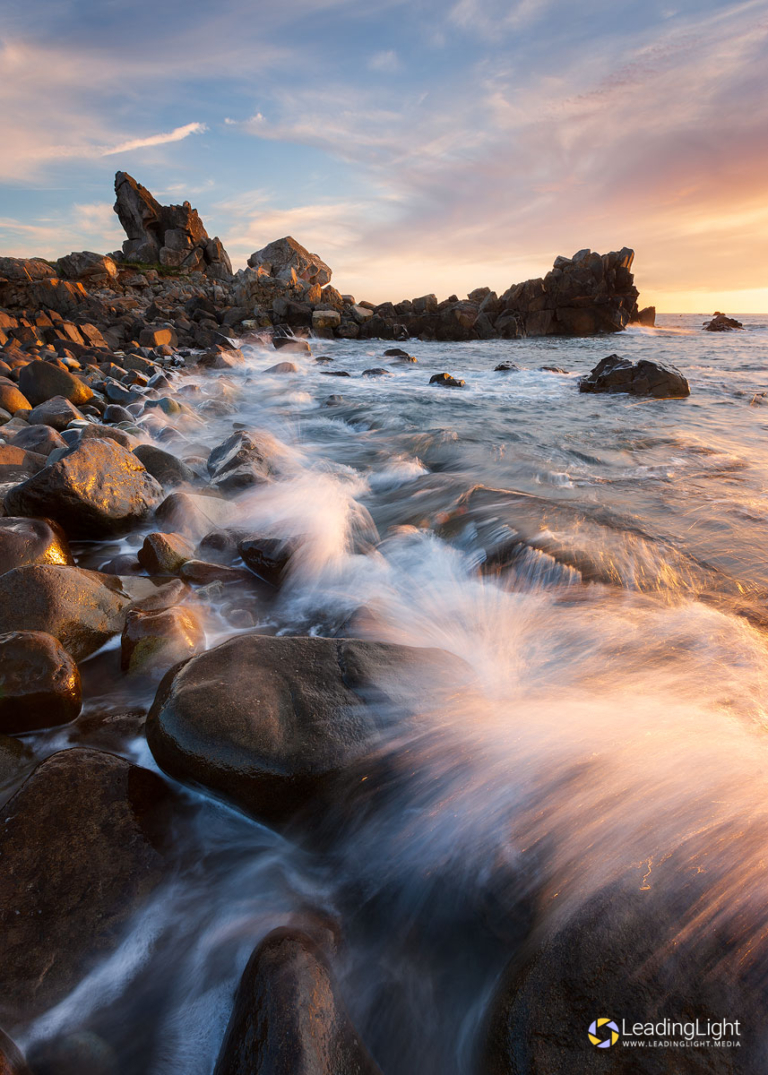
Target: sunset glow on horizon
x=451, y=147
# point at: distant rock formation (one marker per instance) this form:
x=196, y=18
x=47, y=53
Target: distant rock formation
x=171, y=235
x=287, y=260
x=722, y=323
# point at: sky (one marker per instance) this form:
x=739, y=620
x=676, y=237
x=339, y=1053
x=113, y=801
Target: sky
x=416, y=146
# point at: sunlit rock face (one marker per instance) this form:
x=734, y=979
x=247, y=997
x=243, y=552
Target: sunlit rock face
x=39, y=683
x=286, y=259
x=32, y=541
x=82, y=609
x=97, y=489
x=172, y=235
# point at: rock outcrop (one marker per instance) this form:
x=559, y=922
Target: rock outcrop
x=172, y=235
x=722, y=323
x=643, y=378
x=285, y=259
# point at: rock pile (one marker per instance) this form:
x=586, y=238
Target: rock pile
x=722, y=323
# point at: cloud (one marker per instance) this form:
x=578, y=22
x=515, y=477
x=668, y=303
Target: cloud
x=387, y=62
x=176, y=135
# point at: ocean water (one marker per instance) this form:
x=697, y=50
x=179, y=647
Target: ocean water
x=598, y=561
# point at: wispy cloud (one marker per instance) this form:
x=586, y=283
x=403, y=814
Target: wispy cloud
x=176, y=135
x=386, y=62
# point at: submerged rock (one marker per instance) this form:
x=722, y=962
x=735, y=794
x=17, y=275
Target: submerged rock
x=39, y=683
x=81, y=850
x=82, y=609
x=95, y=490
x=644, y=378
x=266, y=557
x=282, y=725
x=288, y=1016
x=195, y=515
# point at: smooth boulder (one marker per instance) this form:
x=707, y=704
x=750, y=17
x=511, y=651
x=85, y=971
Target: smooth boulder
x=282, y=726
x=289, y=1018
x=82, y=609
x=152, y=642
x=97, y=489
x=41, y=381
x=56, y=413
x=32, y=541
x=39, y=683
x=166, y=468
x=644, y=378
x=81, y=851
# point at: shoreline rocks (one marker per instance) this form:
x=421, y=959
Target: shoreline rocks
x=722, y=323
x=644, y=378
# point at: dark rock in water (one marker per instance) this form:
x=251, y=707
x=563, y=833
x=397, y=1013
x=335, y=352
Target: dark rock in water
x=163, y=466
x=56, y=413
x=40, y=439
x=194, y=515
x=96, y=489
x=377, y=371
x=39, y=683
x=506, y=367
x=283, y=367
x=116, y=413
x=722, y=323
x=165, y=554
x=631, y=954
x=266, y=557
x=81, y=850
x=204, y=571
x=81, y=1052
x=32, y=541
x=643, y=378
x=82, y=609
x=280, y=726
x=288, y=1016
x=12, y=400
x=323, y=358
x=552, y=369
x=445, y=380
x=16, y=464
x=12, y=1061
x=240, y=461
x=646, y=316
x=398, y=352
x=152, y=642
x=41, y=381
x=333, y=401
x=291, y=343
x=96, y=431
x=16, y=762
x=334, y=373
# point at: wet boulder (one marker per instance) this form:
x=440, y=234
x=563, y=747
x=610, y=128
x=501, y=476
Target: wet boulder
x=32, y=541
x=445, y=380
x=152, y=642
x=643, y=378
x=82, y=609
x=81, y=848
x=17, y=464
x=41, y=381
x=283, y=367
x=12, y=1060
x=12, y=400
x=166, y=468
x=242, y=460
x=40, y=439
x=289, y=1016
x=95, y=490
x=96, y=431
x=291, y=343
x=281, y=726
x=164, y=554
x=266, y=557
x=56, y=413
x=39, y=683
x=16, y=763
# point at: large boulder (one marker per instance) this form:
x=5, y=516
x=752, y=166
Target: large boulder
x=97, y=270
x=16, y=464
x=97, y=489
x=288, y=260
x=168, y=469
x=32, y=541
x=81, y=851
x=242, y=460
x=643, y=378
x=41, y=381
x=279, y=725
x=288, y=1016
x=172, y=235
x=82, y=609
x=56, y=413
x=39, y=683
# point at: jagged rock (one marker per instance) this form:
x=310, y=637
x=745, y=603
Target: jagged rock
x=81, y=851
x=288, y=1016
x=241, y=460
x=288, y=260
x=644, y=378
x=32, y=541
x=97, y=270
x=646, y=316
x=170, y=234
x=722, y=323
x=82, y=609
x=41, y=381
x=39, y=683
x=98, y=488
